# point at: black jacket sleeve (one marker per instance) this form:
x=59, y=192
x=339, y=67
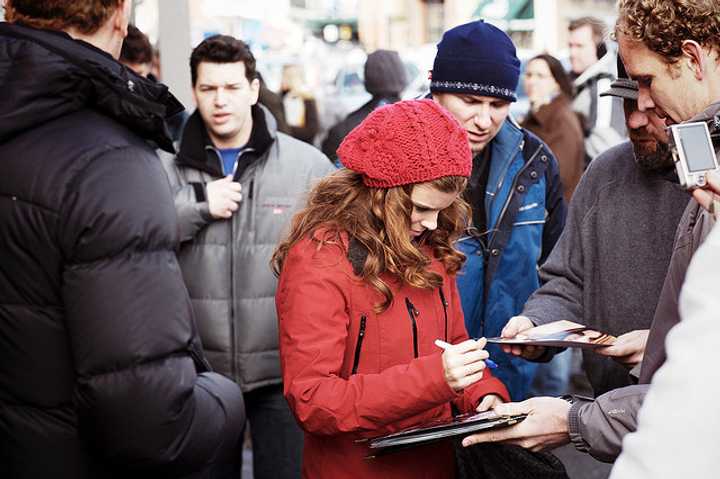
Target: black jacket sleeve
x=554, y=205
x=332, y=141
x=140, y=398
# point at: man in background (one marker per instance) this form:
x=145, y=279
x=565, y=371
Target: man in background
x=592, y=68
x=515, y=192
x=138, y=55
x=137, y=52
x=385, y=79
x=237, y=181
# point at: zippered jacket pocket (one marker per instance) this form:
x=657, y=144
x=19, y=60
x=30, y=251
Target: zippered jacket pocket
x=358, y=347
x=445, y=310
x=412, y=312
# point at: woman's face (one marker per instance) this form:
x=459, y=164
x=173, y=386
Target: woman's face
x=539, y=82
x=427, y=202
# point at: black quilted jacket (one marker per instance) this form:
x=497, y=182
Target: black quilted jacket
x=101, y=371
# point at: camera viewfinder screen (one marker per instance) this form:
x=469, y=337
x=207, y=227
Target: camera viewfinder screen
x=698, y=151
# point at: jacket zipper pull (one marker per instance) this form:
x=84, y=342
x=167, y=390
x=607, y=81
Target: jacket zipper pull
x=252, y=189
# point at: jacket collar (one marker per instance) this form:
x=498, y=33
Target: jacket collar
x=61, y=75
x=506, y=144
x=196, y=142
x=357, y=255
x=604, y=67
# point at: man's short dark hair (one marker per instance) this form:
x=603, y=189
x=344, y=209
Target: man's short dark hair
x=136, y=48
x=222, y=49
x=598, y=27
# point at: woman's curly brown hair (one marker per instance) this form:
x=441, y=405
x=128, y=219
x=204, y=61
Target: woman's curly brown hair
x=662, y=25
x=379, y=219
x=85, y=16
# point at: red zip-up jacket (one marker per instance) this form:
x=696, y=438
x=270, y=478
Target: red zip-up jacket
x=350, y=373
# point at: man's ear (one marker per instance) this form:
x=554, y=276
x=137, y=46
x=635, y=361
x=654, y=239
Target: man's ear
x=696, y=58
x=121, y=17
x=255, y=89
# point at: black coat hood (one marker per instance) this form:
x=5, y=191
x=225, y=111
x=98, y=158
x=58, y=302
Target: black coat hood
x=47, y=74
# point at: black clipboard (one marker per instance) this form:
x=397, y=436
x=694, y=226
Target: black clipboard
x=458, y=426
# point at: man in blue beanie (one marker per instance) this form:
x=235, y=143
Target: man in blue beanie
x=514, y=189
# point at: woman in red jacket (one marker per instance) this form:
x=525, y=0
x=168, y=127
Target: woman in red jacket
x=367, y=284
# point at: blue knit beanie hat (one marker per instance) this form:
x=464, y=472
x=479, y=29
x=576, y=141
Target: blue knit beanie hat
x=477, y=59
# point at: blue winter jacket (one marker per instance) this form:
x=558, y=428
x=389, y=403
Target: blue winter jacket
x=525, y=215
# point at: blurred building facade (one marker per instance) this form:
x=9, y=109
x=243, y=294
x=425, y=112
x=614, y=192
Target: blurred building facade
x=538, y=25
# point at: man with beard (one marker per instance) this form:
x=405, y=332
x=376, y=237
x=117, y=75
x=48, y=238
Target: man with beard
x=606, y=272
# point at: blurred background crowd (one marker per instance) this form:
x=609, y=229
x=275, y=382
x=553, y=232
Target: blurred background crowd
x=315, y=50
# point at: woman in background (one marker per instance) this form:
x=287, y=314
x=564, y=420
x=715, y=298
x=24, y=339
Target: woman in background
x=300, y=107
x=552, y=119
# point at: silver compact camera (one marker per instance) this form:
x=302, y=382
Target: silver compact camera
x=693, y=153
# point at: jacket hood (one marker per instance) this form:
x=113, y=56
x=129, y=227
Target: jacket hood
x=47, y=74
x=195, y=140
x=385, y=73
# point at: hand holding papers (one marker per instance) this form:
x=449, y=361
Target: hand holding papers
x=460, y=425
x=545, y=426
x=560, y=334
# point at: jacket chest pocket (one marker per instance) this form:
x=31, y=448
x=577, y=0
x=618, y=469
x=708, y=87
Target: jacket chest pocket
x=273, y=215
x=278, y=207
x=532, y=210
x=359, y=344
x=362, y=352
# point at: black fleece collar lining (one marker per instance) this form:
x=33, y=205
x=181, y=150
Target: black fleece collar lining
x=195, y=141
x=357, y=255
x=139, y=103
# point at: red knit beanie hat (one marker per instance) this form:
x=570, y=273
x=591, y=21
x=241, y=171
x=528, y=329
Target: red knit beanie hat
x=407, y=142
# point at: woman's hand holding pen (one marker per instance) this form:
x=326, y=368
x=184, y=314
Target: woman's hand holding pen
x=463, y=363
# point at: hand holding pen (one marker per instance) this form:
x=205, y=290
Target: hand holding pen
x=464, y=363
x=442, y=344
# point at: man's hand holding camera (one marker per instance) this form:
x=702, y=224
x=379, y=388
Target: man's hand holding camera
x=709, y=197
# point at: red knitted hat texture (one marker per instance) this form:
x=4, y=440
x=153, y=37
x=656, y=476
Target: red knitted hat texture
x=407, y=142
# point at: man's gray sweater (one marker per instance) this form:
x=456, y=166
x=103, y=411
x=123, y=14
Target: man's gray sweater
x=608, y=267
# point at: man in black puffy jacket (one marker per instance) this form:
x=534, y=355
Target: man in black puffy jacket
x=385, y=79
x=101, y=370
